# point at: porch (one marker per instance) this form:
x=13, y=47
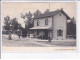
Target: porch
x=42, y=32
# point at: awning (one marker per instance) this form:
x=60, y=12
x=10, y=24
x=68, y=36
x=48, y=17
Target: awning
x=39, y=28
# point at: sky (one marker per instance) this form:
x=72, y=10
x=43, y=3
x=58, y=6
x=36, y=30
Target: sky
x=14, y=9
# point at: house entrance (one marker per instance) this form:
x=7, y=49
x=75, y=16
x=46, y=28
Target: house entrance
x=45, y=34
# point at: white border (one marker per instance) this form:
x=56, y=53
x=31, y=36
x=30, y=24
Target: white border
x=40, y=54
x=40, y=1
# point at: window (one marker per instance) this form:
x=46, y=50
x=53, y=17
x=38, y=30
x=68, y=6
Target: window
x=46, y=22
x=37, y=22
x=59, y=32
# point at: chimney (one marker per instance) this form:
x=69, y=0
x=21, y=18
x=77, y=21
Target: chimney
x=61, y=9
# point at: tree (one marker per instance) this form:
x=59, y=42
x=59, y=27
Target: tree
x=20, y=26
x=46, y=11
x=29, y=18
x=71, y=27
x=14, y=24
x=28, y=21
x=7, y=23
x=37, y=13
x=22, y=16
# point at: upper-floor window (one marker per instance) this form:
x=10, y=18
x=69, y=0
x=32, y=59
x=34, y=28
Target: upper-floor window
x=37, y=22
x=46, y=22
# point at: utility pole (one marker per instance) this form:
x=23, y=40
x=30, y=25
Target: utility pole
x=49, y=6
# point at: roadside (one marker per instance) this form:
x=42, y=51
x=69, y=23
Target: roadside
x=34, y=42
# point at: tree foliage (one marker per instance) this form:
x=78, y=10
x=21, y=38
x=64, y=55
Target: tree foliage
x=28, y=21
x=14, y=24
x=46, y=11
x=22, y=16
x=37, y=13
x=71, y=27
x=7, y=23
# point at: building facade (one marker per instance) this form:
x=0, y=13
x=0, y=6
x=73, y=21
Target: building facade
x=52, y=25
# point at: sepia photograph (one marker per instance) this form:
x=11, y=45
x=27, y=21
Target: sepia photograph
x=38, y=26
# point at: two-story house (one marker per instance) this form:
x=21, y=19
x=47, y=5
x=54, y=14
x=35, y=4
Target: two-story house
x=52, y=25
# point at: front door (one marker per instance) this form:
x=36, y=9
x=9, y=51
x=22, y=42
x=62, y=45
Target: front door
x=46, y=34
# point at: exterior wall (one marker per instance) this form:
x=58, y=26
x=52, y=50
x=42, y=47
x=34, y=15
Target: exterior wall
x=59, y=22
x=42, y=22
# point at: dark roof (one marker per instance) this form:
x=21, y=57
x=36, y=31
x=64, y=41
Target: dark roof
x=51, y=14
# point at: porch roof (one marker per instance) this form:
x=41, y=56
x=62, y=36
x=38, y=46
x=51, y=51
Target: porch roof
x=39, y=28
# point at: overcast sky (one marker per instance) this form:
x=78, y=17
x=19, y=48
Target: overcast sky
x=15, y=9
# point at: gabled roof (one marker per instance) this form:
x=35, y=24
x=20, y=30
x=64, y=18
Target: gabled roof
x=51, y=14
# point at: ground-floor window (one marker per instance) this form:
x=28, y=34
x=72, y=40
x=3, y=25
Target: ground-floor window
x=59, y=32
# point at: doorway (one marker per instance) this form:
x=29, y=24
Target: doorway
x=45, y=34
